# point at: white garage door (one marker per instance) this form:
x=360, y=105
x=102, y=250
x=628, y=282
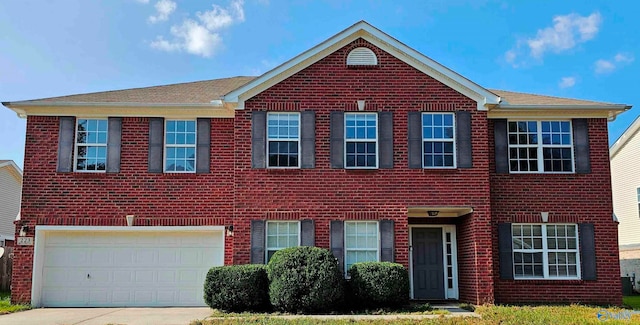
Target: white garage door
x=97, y=269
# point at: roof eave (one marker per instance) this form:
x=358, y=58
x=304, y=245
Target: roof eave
x=609, y=111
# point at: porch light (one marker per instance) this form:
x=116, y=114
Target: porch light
x=433, y=213
x=229, y=230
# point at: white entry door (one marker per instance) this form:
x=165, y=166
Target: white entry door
x=109, y=269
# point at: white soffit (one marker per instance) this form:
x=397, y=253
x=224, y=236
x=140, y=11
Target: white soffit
x=364, y=30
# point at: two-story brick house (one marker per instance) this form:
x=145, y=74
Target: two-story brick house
x=360, y=145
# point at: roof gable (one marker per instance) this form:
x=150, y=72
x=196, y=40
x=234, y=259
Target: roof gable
x=363, y=30
x=10, y=167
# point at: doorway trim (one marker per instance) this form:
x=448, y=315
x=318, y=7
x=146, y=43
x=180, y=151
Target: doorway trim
x=449, y=293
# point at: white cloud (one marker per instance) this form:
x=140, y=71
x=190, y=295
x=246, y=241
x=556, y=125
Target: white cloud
x=566, y=33
x=164, y=8
x=202, y=36
x=567, y=82
x=603, y=66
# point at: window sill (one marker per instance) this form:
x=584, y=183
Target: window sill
x=555, y=281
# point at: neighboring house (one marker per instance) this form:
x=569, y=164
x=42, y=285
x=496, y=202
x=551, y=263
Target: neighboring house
x=360, y=145
x=625, y=179
x=10, y=193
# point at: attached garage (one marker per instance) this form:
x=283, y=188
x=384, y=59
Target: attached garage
x=123, y=266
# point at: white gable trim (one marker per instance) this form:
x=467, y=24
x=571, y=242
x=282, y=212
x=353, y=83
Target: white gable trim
x=362, y=29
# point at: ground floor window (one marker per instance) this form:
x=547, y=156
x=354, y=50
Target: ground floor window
x=281, y=234
x=361, y=242
x=545, y=251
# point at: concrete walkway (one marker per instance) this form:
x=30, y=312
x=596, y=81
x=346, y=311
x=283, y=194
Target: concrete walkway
x=172, y=316
x=102, y=316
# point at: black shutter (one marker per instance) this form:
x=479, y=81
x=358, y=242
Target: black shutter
x=258, y=139
x=307, y=233
x=337, y=241
x=415, y=139
x=385, y=139
x=505, y=247
x=386, y=241
x=581, y=145
x=257, y=241
x=588, y=251
x=203, y=149
x=114, y=144
x=337, y=139
x=66, y=135
x=156, y=144
x=308, y=139
x=501, y=146
x=463, y=139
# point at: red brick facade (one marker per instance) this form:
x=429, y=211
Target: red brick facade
x=235, y=193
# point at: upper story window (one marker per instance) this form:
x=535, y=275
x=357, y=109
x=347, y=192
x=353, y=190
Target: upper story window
x=281, y=234
x=180, y=146
x=438, y=140
x=283, y=137
x=545, y=251
x=361, y=242
x=91, y=145
x=361, y=140
x=540, y=146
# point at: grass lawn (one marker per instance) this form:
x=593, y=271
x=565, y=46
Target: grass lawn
x=632, y=301
x=5, y=304
x=574, y=314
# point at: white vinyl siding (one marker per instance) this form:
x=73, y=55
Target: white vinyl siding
x=10, y=194
x=625, y=181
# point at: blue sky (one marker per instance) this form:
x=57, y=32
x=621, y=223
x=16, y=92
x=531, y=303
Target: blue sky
x=577, y=49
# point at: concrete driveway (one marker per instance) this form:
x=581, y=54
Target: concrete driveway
x=102, y=316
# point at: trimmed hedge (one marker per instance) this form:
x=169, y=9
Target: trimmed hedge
x=305, y=280
x=379, y=284
x=237, y=288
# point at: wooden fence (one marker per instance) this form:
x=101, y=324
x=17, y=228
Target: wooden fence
x=6, y=263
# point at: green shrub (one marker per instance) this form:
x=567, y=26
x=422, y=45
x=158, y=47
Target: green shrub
x=304, y=279
x=379, y=284
x=237, y=288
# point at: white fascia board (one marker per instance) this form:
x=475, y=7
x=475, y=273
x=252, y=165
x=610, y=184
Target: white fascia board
x=629, y=133
x=378, y=38
x=555, y=111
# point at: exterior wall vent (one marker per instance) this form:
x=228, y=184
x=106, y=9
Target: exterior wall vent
x=361, y=56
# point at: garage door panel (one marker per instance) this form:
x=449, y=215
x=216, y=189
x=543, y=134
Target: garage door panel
x=128, y=269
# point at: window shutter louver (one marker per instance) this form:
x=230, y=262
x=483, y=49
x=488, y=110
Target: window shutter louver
x=308, y=139
x=258, y=139
x=581, y=145
x=203, y=149
x=337, y=241
x=337, y=139
x=501, y=151
x=415, y=139
x=387, y=241
x=257, y=241
x=463, y=139
x=114, y=144
x=307, y=233
x=156, y=144
x=505, y=247
x=385, y=139
x=66, y=138
x=588, y=251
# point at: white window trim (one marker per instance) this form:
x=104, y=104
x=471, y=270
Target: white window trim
x=361, y=140
x=164, y=149
x=455, y=149
x=75, y=149
x=378, y=248
x=540, y=147
x=545, y=253
x=298, y=139
x=266, y=236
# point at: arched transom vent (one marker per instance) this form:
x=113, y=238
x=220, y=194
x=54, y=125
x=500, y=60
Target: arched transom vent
x=361, y=56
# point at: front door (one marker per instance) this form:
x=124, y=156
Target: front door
x=428, y=268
